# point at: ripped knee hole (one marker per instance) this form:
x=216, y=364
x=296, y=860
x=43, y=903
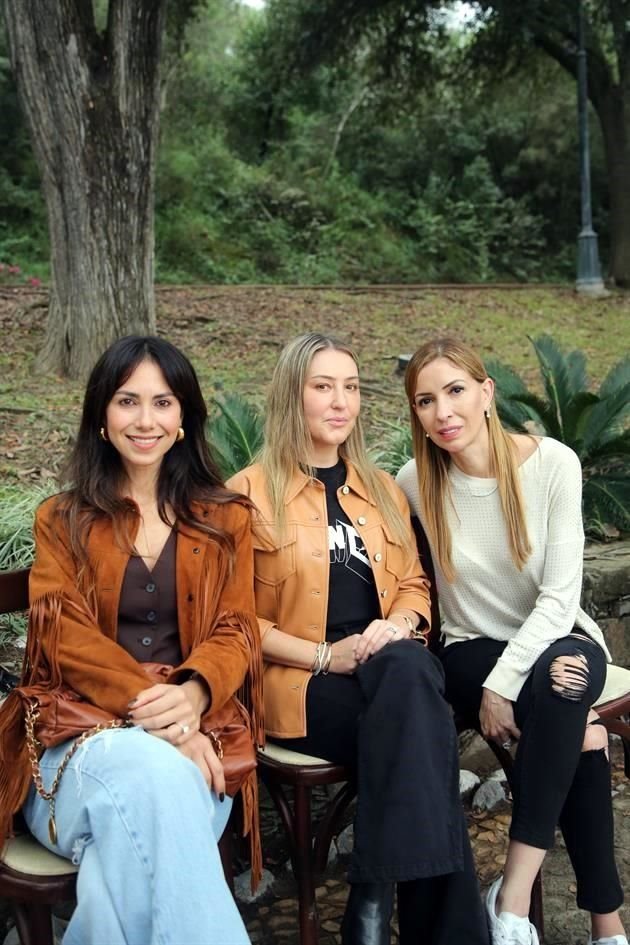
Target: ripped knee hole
x=570, y=676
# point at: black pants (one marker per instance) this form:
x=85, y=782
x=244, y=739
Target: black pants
x=555, y=781
x=389, y=721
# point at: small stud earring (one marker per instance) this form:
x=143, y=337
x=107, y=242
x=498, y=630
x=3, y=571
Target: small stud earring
x=180, y=435
x=103, y=434
x=427, y=435
x=487, y=412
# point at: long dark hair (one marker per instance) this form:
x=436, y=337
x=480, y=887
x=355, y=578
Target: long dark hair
x=188, y=473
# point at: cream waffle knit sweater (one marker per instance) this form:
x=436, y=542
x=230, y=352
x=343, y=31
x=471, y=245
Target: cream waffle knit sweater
x=490, y=596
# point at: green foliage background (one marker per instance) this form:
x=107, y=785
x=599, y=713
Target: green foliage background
x=438, y=175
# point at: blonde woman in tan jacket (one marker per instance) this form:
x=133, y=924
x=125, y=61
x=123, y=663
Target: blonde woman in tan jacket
x=343, y=606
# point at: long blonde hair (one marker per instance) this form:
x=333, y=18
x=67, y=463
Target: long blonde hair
x=288, y=441
x=432, y=463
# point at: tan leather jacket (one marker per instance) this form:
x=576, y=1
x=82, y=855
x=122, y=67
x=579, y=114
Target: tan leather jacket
x=291, y=575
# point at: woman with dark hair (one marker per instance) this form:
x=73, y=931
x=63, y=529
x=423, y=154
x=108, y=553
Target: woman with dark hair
x=343, y=606
x=147, y=557
x=523, y=661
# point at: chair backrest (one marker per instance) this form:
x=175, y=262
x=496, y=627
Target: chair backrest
x=427, y=563
x=14, y=590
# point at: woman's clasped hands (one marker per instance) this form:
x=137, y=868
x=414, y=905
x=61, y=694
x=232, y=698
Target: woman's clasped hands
x=357, y=648
x=173, y=713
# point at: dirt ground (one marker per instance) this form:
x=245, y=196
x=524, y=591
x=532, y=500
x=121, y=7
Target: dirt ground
x=233, y=335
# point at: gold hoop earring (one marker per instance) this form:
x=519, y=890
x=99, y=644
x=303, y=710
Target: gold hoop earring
x=180, y=435
x=103, y=435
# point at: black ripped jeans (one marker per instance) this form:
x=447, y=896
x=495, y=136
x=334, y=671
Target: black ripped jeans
x=555, y=782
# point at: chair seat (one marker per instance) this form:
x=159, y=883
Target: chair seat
x=617, y=684
x=285, y=756
x=24, y=854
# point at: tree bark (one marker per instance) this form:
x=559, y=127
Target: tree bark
x=92, y=102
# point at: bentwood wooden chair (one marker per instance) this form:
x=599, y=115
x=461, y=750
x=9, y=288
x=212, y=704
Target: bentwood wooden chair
x=281, y=769
x=613, y=707
x=31, y=877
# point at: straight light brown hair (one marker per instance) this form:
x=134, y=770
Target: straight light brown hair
x=432, y=462
x=288, y=441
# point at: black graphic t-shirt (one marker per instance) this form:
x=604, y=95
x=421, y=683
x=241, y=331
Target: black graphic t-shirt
x=352, y=597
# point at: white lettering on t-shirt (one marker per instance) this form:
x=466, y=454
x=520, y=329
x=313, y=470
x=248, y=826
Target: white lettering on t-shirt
x=346, y=547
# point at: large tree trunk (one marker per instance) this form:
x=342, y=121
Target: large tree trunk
x=92, y=102
x=613, y=109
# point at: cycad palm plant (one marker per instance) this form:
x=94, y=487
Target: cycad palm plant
x=595, y=425
x=235, y=432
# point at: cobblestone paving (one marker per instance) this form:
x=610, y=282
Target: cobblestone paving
x=274, y=919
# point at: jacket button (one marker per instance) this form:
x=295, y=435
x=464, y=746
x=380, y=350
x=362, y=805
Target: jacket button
x=378, y=556
x=151, y=616
x=196, y=551
x=150, y=588
x=384, y=593
x=361, y=520
x=346, y=490
x=147, y=641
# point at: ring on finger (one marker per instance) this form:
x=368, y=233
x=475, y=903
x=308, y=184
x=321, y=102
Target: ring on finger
x=185, y=728
x=393, y=630
x=507, y=744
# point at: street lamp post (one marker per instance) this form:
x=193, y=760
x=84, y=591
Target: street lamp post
x=589, y=277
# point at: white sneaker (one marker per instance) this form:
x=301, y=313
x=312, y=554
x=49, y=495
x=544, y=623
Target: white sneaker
x=507, y=928
x=611, y=940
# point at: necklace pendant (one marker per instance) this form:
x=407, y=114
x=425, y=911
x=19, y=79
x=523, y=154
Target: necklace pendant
x=52, y=829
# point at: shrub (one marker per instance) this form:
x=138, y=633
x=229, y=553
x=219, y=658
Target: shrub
x=17, y=511
x=594, y=425
x=235, y=432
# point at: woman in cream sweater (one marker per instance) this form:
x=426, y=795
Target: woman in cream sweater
x=523, y=662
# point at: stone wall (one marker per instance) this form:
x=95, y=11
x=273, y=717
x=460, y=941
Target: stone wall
x=606, y=595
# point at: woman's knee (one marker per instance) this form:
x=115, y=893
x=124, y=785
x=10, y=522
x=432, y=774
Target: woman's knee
x=413, y=662
x=132, y=757
x=569, y=671
x=596, y=734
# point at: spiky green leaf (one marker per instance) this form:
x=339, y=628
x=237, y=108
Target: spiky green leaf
x=235, y=433
x=557, y=378
x=617, y=377
x=606, y=418
x=395, y=447
x=607, y=499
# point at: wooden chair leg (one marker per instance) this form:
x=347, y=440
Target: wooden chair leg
x=226, y=852
x=536, y=916
x=34, y=923
x=303, y=865
x=329, y=823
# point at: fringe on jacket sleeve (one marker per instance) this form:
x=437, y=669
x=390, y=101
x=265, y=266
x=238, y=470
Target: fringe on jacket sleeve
x=40, y=672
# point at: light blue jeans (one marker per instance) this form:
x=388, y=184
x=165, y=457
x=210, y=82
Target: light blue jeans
x=139, y=819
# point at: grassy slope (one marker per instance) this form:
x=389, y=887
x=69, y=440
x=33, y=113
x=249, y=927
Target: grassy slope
x=233, y=335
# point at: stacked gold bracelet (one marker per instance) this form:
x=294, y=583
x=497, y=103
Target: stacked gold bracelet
x=323, y=658
x=414, y=633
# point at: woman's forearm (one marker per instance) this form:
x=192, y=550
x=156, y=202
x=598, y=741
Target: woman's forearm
x=284, y=648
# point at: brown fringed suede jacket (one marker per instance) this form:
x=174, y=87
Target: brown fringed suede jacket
x=72, y=634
